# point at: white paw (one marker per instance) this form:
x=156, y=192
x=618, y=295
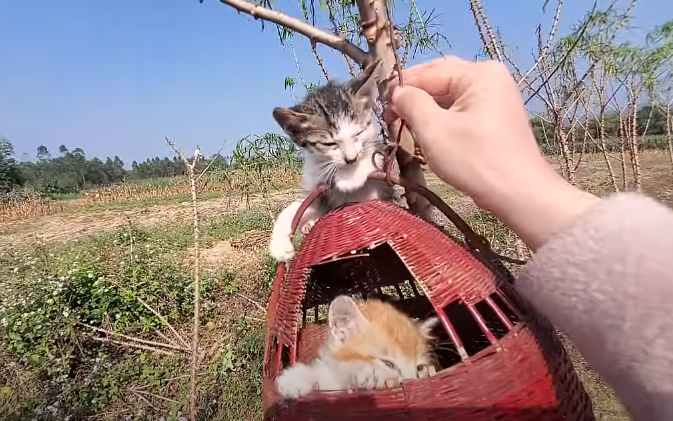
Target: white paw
x=281, y=248
x=295, y=381
x=370, y=378
x=307, y=227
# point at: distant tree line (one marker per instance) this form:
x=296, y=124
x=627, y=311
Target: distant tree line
x=72, y=172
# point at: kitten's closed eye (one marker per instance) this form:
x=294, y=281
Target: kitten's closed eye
x=329, y=144
x=389, y=364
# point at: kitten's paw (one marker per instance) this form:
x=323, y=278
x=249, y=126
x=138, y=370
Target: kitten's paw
x=367, y=379
x=281, y=248
x=295, y=381
x=307, y=227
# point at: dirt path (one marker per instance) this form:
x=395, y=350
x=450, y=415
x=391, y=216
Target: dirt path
x=71, y=225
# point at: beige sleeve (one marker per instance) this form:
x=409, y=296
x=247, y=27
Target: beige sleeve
x=607, y=281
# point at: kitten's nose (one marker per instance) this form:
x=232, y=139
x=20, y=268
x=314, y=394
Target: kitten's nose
x=349, y=160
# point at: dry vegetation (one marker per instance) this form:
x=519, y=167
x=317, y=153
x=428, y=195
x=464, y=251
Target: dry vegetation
x=238, y=184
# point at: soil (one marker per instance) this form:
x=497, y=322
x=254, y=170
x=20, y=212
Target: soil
x=84, y=222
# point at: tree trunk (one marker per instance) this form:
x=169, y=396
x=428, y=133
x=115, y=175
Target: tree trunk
x=624, y=140
x=375, y=27
x=601, y=141
x=568, y=169
x=635, y=156
x=669, y=134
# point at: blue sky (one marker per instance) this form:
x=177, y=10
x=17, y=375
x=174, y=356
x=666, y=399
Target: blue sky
x=116, y=77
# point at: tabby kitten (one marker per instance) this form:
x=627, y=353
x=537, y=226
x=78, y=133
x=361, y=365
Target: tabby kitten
x=335, y=128
x=369, y=343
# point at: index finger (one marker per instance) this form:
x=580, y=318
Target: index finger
x=445, y=79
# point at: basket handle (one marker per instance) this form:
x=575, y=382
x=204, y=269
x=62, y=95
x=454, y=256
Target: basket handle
x=318, y=191
x=475, y=242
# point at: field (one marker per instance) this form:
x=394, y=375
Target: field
x=95, y=262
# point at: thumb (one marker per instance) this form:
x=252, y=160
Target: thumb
x=415, y=106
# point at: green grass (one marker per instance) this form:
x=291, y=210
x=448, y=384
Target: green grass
x=52, y=367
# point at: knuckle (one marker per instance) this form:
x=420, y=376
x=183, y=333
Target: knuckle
x=494, y=67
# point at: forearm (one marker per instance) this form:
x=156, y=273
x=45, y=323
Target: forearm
x=538, y=207
x=607, y=281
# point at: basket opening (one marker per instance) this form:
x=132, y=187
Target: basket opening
x=379, y=272
x=493, y=322
x=506, y=308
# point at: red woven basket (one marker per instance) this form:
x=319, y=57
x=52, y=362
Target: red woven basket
x=500, y=360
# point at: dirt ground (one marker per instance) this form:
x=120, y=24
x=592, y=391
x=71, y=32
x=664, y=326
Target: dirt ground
x=67, y=226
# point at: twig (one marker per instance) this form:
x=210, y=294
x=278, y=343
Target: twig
x=304, y=28
x=332, y=18
x=205, y=170
x=170, y=326
x=166, y=338
x=314, y=49
x=480, y=30
x=128, y=220
x=195, y=333
x=319, y=59
x=250, y=300
x=543, y=53
x=131, y=345
x=152, y=394
x=479, y=15
x=211, y=351
x=131, y=338
x=296, y=62
x=142, y=398
x=563, y=61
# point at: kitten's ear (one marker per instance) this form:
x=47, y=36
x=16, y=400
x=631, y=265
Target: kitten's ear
x=364, y=84
x=345, y=319
x=426, y=327
x=290, y=121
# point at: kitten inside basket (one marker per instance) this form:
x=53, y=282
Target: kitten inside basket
x=370, y=344
x=335, y=128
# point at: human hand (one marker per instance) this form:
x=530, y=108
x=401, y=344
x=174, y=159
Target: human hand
x=473, y=131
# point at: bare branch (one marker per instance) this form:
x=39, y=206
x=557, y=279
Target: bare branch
x=151, y=394
x=163, y=319
x=492, y=45
x=332, y=19
x=131, y=338
x=196, y=357
x=304, y=28
x=131, y=345
x=205, y=170
x=565, y=58
x=251, y=301
x=543, y=53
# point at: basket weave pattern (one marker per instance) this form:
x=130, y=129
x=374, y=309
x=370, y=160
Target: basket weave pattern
x=499, y=359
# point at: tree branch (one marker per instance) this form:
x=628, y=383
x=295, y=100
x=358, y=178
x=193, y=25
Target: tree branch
x=196, y=357
x=314, y=34
x=543, y=52
x=480, y=17
x=332, y=19
x=376, y=29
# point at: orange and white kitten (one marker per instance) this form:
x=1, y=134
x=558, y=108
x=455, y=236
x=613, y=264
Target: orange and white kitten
x=369, y=343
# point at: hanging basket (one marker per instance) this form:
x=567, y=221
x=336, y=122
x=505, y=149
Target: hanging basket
x=499, y=359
